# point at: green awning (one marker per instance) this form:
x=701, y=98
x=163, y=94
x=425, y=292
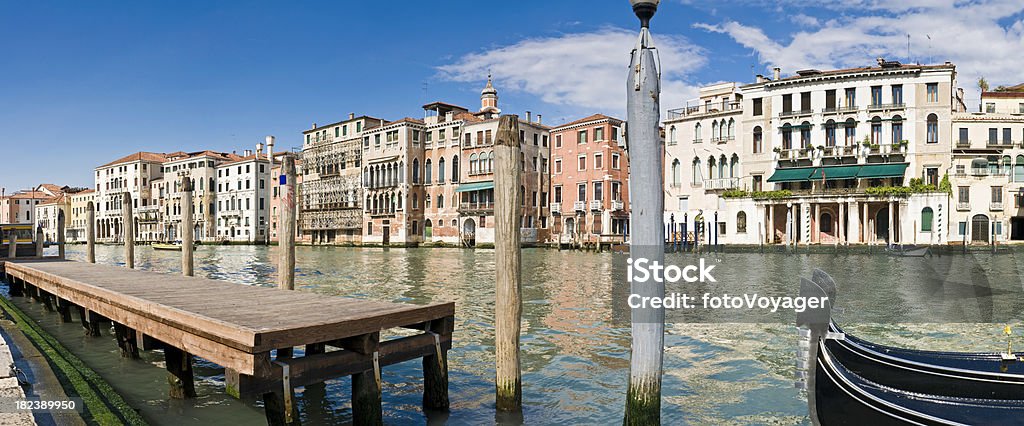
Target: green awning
x=794, y=174
x=475, y=186
x=882, y=170
x=836, y=172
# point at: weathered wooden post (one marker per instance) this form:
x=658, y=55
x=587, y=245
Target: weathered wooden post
x=187, y=231
x=367, y=390
x=128, y=229
x=90, y=232
x=126, y=341
x=39, y=241
x=286, y=226
x=643, y=399
x=60, y=234
x=508, y=304
x=179, y=373
x=12, y=245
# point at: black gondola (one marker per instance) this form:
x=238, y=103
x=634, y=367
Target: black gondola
x=845, y=398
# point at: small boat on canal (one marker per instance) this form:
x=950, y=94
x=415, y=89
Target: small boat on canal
x=168, y=246
x=850, y=380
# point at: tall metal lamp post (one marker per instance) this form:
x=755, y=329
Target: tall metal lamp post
x=643, y=90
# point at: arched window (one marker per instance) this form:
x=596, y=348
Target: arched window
x=428, y=173
x=490, y=162
x=722, y=164
x=805, y=134
x=440, y=170
x=926, y=219
x=696, y=170
x=455, y=168
x=933, y=128
x=473, y=163
x=522, y=195
x=825, y=224
x=672, y=135
x=675, y=172
x=711, y=167
x=876, y=130
x=1018, y=169
x=741, y=223
x=734, y=165
x=850, y=131
x=416, y=170
x=440, y=201
x=401, y=172
x=758, y=140
x=897, y=129
x=696, y=133
x=714, y=131
x=830, y=133
x=787, y=136
x=732, y=127
x=399, y=202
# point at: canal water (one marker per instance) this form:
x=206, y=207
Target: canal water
x=575, y=353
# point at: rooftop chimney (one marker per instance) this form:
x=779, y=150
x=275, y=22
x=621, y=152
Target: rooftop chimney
x=529, y=117
x=538, y=118
x=259, y=148
x=351, y=115
x=880, y=61
x=776, y=73
x=248, y=152
x=759, y=78
x=314, y=124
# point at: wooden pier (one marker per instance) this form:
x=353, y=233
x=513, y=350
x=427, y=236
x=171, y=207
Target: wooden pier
x=243, y=327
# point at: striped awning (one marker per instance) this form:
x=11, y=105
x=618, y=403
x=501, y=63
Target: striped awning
x=475, y=186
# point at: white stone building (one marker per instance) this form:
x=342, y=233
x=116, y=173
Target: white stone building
x=161, y=219
x=242, y=212
x=821, y=157
x=76, y=226
x=131, y=174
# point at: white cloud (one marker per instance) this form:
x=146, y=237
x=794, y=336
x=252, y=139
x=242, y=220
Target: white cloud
x=983, y=38
x=805, y=20
x=584, y=71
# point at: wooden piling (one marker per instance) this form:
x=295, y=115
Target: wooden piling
x=64, y=308
x=90, y=321
x=60, y=234
x=179, y=373
x=128, y=229
x=126, y=341
x=90, y=232
x=367, y=391
x=39, y=241
x=286, y=226
x=12, y=245
x=435, y=369
x=509, y=305
x=187, y=227
x=47, y=300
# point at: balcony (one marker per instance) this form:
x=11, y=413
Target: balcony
x=886, y=107
x=380, y=212
x=556, y=208
x=799, y=113
x=482, y=206
x=595, y=204
x=840, y=151
x=723, y=139
x=980, y=172
x=963, y=206
x=617, y=205
x=698, y=140
x=997, y=144
x=996, y=206
x=847, y=109
x=692, y=110
x=580, y=206
x=963, y=143
x=675, y=185
x=721, y=183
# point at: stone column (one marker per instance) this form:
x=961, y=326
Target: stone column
x=841, y=227
x=815, y=236
x=865, y=229
x=892, y=225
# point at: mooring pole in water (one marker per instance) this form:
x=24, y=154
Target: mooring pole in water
x=90, y=232
x=686, y=238
x=61, y=253
x=179, y=373
x=39, y=241
x=128, y=229
x=286, y=226
x=12, y=245
x=717, y=247
x=187, y=227
x=643, y=92
x=508, y=310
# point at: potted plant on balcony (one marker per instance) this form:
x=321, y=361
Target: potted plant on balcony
x=903, y=144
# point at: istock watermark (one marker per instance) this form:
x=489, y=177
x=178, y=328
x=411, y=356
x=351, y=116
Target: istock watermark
x=643, y=270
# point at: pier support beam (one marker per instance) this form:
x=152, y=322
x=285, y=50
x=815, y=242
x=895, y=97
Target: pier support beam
x=366, y=386
x=126, y=341
x=17, y=286
x=64, y=308
x=90, y=322
x=179, y=373
x=435, y=369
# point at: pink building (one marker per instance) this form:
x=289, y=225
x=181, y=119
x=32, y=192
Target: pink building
x=589, y=181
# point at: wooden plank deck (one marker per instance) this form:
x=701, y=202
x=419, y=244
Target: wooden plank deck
x=236, y=326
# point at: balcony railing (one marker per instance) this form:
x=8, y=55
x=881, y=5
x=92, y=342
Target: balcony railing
x=999, y=144
x=797, y=113
x=476, y=206
x=722, y=183
x=840, y=151
x=380, y=212
x=556, y=208
x=691, y=110
x=995, y=206
x=963, y=143
x=980, y=172
x=847, y=109
x=723, y=139
x=595, y=204
x=579, y=206
x=617, y=205
x=963, y=206
x=881, y=107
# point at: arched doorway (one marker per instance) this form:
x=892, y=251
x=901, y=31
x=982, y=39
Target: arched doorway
x=979, y=228
x=428, y=229
x=469, y=233
x=882, y=225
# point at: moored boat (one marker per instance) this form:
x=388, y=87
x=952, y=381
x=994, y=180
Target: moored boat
x=162, y=246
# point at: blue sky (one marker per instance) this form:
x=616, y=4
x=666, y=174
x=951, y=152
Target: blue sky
x=82, y=83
